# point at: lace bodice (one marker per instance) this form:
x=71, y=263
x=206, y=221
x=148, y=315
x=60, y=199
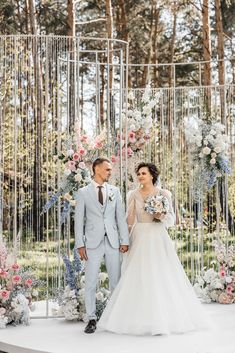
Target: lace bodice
x=136, y=212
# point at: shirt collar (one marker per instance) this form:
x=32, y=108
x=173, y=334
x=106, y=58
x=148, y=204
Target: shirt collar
x=96, y=184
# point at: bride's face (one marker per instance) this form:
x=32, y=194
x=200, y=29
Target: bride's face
x=144, y=177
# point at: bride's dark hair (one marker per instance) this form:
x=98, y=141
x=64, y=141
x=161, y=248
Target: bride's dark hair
x=153, y=170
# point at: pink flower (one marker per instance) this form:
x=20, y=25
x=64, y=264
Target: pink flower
x=98, y=145
x=4, y=294
x=114, y=159
x=131, y=136
x=229, y=289
x=222, y=271
x=225, y=298
x=3, y=273
x=82, y=151
x=71, y=165
x=29, y=282
x=16, y=279
x=15, y=267
x=84, y=138
x=76, y=157
x=130, y=152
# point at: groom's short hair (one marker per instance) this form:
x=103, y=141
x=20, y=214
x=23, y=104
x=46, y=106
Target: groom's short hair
x=98, y=161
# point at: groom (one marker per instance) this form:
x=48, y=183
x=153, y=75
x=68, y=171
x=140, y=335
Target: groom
x=100, y=231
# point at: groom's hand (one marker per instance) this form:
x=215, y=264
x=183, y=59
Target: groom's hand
x=82, y=253
x=123, y=248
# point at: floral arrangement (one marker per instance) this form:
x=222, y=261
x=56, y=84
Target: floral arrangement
x=17, y=288
x=71, y=301
x=140, y=119
x=217, y=284
x=208, y=144
x=76, y=157
x=156, y=204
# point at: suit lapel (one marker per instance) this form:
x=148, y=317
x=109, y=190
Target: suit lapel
x=93, y=195
x=107, y=196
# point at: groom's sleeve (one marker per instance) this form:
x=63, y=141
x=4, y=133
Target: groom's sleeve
x=79, y=220
x=121, y=220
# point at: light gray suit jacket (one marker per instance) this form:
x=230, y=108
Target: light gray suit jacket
x=92, y=220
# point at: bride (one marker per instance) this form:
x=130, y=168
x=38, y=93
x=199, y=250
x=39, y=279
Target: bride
x=154, y=295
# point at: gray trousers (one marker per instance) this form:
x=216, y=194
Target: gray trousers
x=92, y=268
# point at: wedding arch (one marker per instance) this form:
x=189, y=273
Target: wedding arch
x=57, y=91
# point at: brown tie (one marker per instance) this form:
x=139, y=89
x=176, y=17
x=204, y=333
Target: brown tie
x=100, y=195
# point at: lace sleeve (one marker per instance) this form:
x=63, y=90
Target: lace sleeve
x=169, y=219
x=131, y=210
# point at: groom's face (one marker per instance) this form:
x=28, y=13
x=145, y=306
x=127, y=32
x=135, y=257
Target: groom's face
x=104, y=171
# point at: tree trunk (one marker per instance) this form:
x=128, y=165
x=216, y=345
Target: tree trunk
x=123, y=21
x=154, y=45
x=220, y=51
x=71, y=18
x=206, y=52
x=72, y=58
x=172, y=45
x=150, y=48
x=109, y=17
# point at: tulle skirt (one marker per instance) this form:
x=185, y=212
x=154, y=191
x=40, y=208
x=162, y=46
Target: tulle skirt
x=154, y=295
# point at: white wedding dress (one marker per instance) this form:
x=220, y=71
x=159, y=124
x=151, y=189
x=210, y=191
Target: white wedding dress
x=154, y=295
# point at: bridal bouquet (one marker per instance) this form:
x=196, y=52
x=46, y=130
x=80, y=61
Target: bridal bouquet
x=156, y=204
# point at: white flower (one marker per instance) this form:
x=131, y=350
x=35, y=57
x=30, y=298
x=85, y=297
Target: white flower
x=228, y=279
x=34, y=293
x=103, y=276
x=213, y=155
x=213, y=161
x=205, y=142
x=206, y=150
x=99, y=296
x=82, y=165
x=198, y=142
x=214, y=295
x=70, y=152
x=217, y=149
x=213, y=132
x=132, y=127
x=67, y=172
x=78, y=177
x=147, y=110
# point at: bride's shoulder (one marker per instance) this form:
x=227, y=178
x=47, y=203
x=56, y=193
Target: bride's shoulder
x=166, y=193
x=132, y=193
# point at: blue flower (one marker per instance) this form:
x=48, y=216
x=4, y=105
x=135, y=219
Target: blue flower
x=224, y=165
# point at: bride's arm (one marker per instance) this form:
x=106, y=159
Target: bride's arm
x=169, y=218
x=131, y=210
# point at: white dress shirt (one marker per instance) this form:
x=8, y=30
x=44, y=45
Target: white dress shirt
x=103, y=189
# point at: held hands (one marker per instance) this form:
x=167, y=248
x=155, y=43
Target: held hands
x=159, y=216
x=123, y=248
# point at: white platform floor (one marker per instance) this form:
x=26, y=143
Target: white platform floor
x=60, y=336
